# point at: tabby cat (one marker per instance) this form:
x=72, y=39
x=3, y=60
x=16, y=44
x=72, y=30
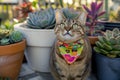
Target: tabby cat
x=71, y=56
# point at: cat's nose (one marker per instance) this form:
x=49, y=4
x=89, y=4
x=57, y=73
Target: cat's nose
x=67, y=29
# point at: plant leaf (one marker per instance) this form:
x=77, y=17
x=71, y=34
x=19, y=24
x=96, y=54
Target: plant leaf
x=61, y=3
x=89, y=16
x=88, y=23
x=93, y=5
x=101, y=13
x=87, y=9
x=99, y=6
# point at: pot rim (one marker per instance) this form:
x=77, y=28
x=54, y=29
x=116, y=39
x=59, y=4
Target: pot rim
x=106, y=56
x=13, y=48
x=21, y=26
x=95, y=37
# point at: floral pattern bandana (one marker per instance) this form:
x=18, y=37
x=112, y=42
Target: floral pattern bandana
x=71, y=51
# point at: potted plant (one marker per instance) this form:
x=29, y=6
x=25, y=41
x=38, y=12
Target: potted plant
x=12, y=47
x=23, y=10
x=92, y=21
x=39, y=33
x=107, y=55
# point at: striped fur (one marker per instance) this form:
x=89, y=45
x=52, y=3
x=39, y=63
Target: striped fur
x=80, y=69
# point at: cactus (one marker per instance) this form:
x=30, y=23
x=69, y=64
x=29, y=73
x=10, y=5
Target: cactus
x=15, y=36
x=109, y=44
x=44, y=19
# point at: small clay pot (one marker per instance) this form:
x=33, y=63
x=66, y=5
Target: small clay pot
x=11, y=57
x=93, y=39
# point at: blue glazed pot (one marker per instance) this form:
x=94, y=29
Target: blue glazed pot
x=107, y=68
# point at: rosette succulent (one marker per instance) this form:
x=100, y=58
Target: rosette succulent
x=109, y=44
x=4, y=33
x=44, y=19
x=9, y=37
x=15, y=36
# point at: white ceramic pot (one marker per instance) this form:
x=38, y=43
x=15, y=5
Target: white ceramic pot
x=39, y=46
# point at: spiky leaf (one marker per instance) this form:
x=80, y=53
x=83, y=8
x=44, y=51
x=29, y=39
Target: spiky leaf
x=106, y=40
x=118, y=40
x=112, y=55
x=107, y=47
x=113, y=41
x=108, y=34
x=97, y=49
x=100, y=38
x=104, y=51
x=115, y=52
x=115, y=32
x=116, y=47
x=99, y=44
x=99, y=6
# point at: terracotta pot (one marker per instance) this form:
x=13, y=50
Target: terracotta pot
x=11, y=57
x=93, y=39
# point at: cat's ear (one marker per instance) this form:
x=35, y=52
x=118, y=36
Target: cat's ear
x=82, y=17
x=59, y=16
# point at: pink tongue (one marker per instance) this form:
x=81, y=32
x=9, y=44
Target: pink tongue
x=70, y=59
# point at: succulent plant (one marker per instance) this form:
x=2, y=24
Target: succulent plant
x=4, y=33
x=44, y=19
x=15, y=36
x=23, y=10
x=118, y=15
x=5, y=41
x=115, y=15
x=8, y=35
x=109, y=44
x=93, y=15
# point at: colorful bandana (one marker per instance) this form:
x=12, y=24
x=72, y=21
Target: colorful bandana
x=71, y=51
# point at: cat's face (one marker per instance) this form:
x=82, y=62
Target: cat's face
x=69, y=30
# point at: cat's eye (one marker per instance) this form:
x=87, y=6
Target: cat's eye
x=75, y=26
x=62, y=25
